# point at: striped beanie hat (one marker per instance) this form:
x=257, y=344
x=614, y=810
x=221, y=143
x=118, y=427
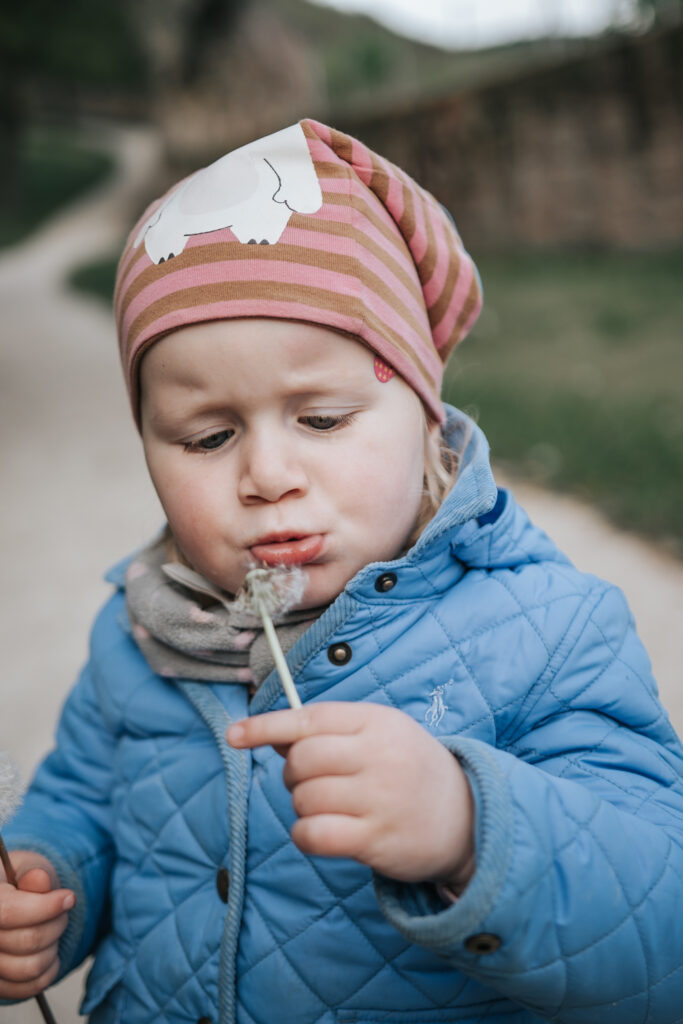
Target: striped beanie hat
x=305, y=224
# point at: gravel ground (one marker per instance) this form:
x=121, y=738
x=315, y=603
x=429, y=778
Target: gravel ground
x=76, y=496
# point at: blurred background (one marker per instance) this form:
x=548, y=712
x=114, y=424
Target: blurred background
x=551, y=129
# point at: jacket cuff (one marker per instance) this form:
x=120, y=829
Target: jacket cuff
x=416, y=910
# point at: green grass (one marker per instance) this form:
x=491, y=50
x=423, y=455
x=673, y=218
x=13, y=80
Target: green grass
x=96, y=278
x=575, y=373
x=53, y=168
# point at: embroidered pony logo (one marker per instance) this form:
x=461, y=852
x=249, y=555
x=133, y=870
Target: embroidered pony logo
x=254, y=190
x=437, y=708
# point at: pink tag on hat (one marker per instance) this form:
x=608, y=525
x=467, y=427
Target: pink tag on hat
x=383, y=372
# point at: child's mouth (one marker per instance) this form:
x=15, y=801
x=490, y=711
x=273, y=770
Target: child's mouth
x=289, y=550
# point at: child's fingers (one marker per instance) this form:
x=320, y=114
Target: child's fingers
x=35, y=880
x=282, y=728
x=21, y=969
x=329, y=794
x=25, y=862
x=24, y=909
x=331, y=835
x=10, y=989
x=23, y=941
x=325, y=755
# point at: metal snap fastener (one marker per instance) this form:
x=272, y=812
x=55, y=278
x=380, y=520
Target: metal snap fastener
x=204, y=1020
x=223, y=883
x=483, y=943
x=387, y=581
x=339, y=654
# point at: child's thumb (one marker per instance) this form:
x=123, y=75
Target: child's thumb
x=35, y=880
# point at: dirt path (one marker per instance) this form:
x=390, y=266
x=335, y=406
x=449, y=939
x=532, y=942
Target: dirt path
x=75, y=492
x=76, y=496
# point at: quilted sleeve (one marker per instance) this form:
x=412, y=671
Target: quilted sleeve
x=66, y=817
x=574, y=911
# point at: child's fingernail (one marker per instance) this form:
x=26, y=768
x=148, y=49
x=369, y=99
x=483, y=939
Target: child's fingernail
x=68, y=902
x=235, y=734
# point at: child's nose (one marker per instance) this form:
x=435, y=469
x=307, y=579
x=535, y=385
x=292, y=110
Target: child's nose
x=270, y=469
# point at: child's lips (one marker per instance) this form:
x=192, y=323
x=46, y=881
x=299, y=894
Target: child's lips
x=291, y=551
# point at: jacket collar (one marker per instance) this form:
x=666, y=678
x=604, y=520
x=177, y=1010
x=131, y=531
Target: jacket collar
x=474, y=493
x=477, y=526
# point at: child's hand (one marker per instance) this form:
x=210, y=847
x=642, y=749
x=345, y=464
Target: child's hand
x=368, y=782
x=32, y=918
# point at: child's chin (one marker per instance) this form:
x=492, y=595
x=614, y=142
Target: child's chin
x=322, y=586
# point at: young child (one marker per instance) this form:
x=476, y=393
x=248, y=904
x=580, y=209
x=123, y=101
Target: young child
x=479, y=814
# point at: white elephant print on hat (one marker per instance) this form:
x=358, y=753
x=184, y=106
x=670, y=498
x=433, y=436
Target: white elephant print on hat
x=253, y=191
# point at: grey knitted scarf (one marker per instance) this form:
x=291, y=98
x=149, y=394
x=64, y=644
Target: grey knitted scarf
x=181, y=635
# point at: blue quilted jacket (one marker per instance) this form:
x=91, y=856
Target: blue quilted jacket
x=199, y=907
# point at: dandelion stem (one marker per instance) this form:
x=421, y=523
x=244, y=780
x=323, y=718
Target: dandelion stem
x=278, y=656
x=45, y=1009
x=7, y=864
x=276, y=589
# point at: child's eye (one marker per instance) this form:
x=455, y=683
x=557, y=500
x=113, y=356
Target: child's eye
x=323, y=423
x=210, y=442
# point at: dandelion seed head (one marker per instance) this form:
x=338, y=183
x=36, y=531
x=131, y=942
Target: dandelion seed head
x=10, y=788
x=278, y=589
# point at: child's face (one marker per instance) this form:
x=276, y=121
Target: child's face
x=273, y=441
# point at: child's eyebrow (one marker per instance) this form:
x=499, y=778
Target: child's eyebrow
x=339, y=392
x=320, y=385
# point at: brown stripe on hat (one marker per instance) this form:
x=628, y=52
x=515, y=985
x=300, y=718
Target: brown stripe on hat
x=328, y=171
x=407, y=221
x=437, y=311
x=409, y=194
x=471, y=302
x=425, y=268
x=342, y=146
x=379, y=181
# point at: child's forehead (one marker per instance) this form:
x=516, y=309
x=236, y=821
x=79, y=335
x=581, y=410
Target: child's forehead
x=253, y=341
x=296, y=356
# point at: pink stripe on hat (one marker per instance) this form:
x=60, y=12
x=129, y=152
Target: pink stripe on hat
x=443, y=331
x=306, y=224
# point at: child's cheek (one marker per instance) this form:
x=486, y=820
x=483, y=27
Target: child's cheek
x=190, y=506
